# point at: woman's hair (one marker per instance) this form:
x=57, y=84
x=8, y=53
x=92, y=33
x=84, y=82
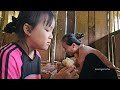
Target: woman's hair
x=71, y=38
x=30, y=17
x=10, y=27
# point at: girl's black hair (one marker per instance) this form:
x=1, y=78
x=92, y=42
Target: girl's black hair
x=30, y=17
x=71, y=38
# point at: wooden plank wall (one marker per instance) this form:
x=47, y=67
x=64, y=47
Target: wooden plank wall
x=117, y=50
x=92, y=23
x=101, y=31
x=82, y=25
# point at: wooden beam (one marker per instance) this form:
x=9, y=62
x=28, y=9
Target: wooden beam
x=70, y=21
x=53, y=42
x=91, y=27
x=60, y=53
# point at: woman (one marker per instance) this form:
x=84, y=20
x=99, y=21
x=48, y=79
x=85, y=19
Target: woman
x=92, y=63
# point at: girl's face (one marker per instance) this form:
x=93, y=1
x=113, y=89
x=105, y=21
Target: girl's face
x=41, y=36
x=70, y=50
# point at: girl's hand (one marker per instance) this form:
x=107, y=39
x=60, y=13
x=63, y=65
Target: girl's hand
x=67, y=73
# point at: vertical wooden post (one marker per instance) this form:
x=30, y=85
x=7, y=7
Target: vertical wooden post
x=4, y=21
x=91, y=27
x=53, y=43
x=1, y=19
x=118, y=19
x=108, y=28
x=61, y=21
x=70, y=21
x=114, y=20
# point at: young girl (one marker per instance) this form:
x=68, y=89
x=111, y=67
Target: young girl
x=92, y=63
x=21, y=60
